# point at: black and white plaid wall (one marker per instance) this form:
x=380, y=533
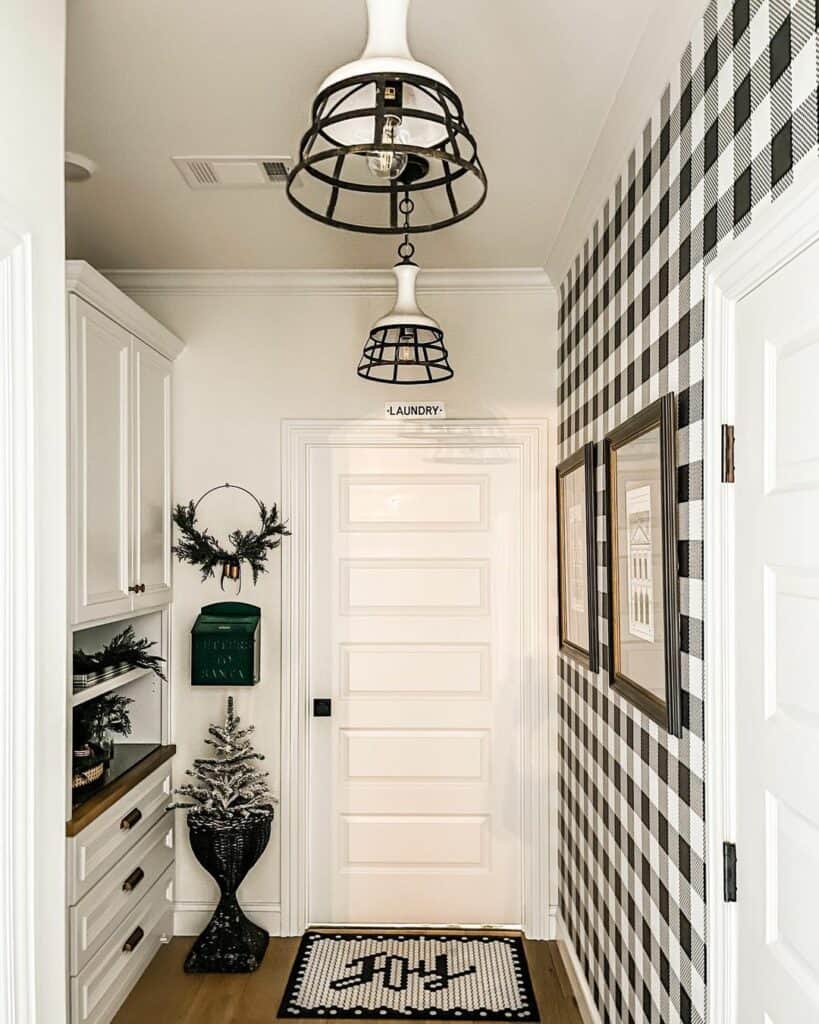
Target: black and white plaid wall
x=726, y=139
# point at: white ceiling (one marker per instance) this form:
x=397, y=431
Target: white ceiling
x=151, y=79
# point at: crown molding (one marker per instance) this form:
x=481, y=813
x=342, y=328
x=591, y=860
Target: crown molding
x=83, y=280
x=511, y=280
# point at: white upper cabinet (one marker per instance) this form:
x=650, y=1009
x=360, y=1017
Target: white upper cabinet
x=152, y=476
x=120, y=438
x=100, y=427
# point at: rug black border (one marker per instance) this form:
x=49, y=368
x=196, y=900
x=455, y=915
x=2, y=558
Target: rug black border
x=369, y=1014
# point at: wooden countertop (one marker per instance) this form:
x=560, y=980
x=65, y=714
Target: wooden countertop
x=108, y=794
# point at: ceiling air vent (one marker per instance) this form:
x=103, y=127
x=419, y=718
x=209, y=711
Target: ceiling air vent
x=233, y=171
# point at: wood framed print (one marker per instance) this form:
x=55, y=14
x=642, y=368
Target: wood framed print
x=576, y=559
x=641, y=514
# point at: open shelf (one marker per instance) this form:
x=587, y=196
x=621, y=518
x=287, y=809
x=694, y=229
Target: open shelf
x=131, y=763
x=98, y=689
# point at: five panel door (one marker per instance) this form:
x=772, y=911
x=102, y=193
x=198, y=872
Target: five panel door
x=415, y=631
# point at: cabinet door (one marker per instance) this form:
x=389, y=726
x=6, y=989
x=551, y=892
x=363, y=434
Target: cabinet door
x=151, y=477
x=100, y=498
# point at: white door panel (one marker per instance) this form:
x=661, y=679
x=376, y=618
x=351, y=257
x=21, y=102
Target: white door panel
x=415, y=627
x=777, y=606
x=152, y=476
x=100, y=384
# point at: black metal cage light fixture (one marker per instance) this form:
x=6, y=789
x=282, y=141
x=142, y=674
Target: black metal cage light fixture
x=382, y=127
x=406, y=346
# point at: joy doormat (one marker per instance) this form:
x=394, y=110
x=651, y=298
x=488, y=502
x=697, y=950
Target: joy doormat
x=349, y=975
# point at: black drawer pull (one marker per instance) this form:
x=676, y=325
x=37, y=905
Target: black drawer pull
x=133, y=880
x=131, y=818
x=133, y=940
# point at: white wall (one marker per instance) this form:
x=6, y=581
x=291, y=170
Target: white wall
x=32, y=62
x=252, y=361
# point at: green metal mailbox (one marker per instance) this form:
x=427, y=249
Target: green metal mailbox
x=225, y=645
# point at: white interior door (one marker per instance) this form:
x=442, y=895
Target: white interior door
x=777, y=615
x=415, y=636
x=152, y=476
x=100, y=403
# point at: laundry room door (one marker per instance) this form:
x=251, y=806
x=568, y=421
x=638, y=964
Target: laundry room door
x=415, y=639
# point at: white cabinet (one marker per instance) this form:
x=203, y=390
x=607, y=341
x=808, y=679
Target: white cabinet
x=120, y=438
x=100, y=362
x=151, y=546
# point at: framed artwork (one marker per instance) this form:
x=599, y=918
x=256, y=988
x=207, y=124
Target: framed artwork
x=576, y=558
x=641, y=516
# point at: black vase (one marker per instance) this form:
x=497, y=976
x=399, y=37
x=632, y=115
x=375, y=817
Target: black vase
x=231, y=944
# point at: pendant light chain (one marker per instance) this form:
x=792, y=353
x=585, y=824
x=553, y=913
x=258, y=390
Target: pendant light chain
x=406, y=250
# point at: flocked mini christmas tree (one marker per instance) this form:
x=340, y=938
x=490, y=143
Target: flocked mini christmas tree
x=228, y=787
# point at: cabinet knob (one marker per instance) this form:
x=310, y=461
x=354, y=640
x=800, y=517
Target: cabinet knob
x=137, y=588
x=131, y=818
x=133, y=880
x=133, y=940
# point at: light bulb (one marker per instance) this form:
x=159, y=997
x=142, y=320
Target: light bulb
x=386, y=163
x=406, y=348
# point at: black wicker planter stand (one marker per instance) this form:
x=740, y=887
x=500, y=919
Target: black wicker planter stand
x=231, y=944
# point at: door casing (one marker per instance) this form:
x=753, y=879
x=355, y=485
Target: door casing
x=776, y=235
x=538, y=768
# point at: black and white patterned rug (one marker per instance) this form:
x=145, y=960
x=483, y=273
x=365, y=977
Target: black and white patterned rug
x=361, y=975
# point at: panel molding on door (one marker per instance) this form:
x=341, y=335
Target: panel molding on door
x=413, y=502
x=434, y=756
x=406, y=671
x=414, y=586
x=100, y=377
x=386, y=843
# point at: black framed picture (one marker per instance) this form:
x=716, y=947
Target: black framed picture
x=641, y=516
x=577, y=558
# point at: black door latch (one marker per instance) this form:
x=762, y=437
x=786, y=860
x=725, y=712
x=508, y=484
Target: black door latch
x=322, y=707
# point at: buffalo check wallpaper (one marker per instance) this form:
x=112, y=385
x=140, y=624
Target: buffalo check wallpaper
x=726, y=139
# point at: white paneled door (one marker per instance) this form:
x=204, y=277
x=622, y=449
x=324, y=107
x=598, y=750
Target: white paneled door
x=415, y=637
x=777, y=615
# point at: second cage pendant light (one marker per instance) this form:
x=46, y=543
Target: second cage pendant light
x=406, y=346
x=385, y=126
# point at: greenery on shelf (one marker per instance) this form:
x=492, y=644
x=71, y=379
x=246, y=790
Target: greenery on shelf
x=124, y=648
x=96, y=719
x=227, y=787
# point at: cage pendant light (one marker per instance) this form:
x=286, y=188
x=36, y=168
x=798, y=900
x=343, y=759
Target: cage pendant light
x=406, y=346
x=383, y=126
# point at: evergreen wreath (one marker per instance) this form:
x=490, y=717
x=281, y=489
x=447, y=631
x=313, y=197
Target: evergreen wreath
x=201, y=548
x=227, y=787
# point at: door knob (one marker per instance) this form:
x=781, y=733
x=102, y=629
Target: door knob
x=322, y=707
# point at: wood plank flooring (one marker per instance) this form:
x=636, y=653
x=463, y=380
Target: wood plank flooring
x=166, y=995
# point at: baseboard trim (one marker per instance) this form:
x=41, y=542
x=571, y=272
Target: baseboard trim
x=191, y=916
x=582, y=992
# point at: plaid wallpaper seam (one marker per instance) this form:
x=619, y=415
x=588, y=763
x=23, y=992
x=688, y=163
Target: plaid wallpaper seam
x=726, y=139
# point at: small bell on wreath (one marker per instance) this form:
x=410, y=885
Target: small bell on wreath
x=232, y=570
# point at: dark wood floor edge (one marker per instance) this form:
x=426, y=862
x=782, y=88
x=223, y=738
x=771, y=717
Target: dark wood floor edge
x=580, y=990
x=108, y=796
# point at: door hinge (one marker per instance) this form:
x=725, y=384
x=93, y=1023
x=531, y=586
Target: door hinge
x=729, y=872
x=727, y=453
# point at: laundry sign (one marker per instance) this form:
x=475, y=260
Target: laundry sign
x=415, y=410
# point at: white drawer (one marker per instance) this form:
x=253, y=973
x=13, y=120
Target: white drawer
x=95, y=850
x=99, y=912
x=102, y=985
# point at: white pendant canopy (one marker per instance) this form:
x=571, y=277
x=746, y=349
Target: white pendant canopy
x=387, y=50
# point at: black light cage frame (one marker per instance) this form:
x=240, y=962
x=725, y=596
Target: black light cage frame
x=457, y=153
x=380, y=362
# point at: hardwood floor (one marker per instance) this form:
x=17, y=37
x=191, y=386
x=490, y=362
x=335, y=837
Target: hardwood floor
x=166, y=995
